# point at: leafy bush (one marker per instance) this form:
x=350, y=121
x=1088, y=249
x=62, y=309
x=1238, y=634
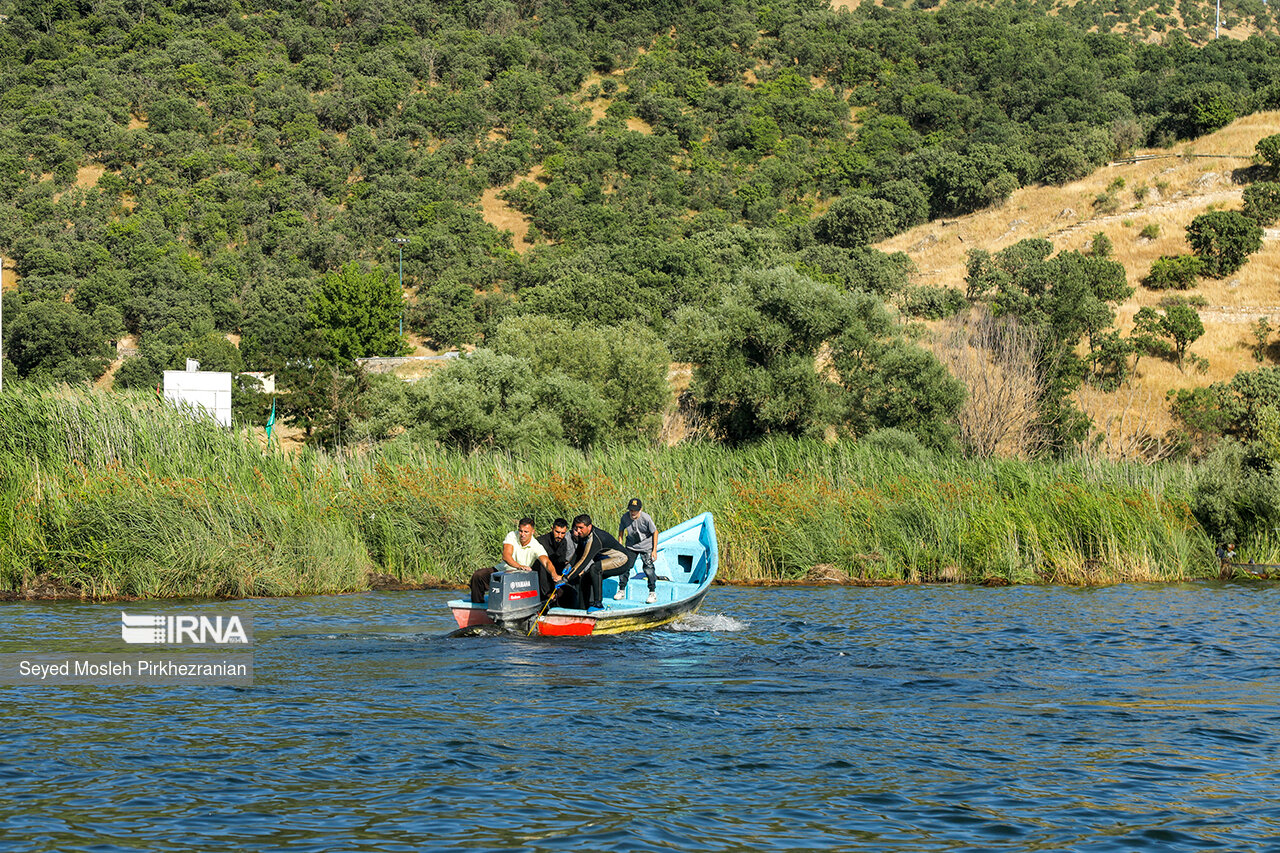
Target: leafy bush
x=487, y=399
x=1177, y=272
x=1100, y=246
x=1234, y=498
x=1104, y=203
x=890, y=440
x=932, y=302
x=625, y=365
x=1064, y=165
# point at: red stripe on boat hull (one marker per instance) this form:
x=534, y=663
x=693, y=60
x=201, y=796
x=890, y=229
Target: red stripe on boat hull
x=561, y=626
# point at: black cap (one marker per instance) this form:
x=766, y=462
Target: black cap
x=634, y=504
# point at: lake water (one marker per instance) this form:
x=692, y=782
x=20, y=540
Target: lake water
x=901, y=719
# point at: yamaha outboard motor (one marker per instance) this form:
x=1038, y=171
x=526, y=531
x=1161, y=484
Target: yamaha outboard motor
x=512, y=596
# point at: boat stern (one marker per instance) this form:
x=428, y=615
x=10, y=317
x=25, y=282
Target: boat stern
x=467, y=614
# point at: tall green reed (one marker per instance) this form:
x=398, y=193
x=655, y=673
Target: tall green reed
x=121, y=495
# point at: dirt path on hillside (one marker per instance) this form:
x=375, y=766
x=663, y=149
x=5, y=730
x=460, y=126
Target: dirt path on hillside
x=1179, y=201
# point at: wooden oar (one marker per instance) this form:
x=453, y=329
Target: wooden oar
x=555, y=593
x=571, y=573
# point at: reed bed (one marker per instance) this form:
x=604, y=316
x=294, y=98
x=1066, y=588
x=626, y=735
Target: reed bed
x=119, y=495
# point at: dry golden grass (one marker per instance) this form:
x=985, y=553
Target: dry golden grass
x=1177, y=189
x=504, y=217
x=107, y=380
x=1173, y=19
x=600, y=105
x=87, y=176
x=417, y=346
x=676, y=426
x=8, y=275
x=415, y=370
x=639, y=125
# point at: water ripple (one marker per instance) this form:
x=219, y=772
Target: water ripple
x=903, y=719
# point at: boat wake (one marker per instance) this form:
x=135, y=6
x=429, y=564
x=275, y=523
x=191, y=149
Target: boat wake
x=707, y=622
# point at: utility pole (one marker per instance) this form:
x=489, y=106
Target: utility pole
x=401, y=241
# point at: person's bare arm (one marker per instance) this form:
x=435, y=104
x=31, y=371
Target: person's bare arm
x=508, y=556
x=546, y=562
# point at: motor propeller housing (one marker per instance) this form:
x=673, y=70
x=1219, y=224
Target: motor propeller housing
x=512, y=596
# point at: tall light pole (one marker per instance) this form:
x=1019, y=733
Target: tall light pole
x=401, y=241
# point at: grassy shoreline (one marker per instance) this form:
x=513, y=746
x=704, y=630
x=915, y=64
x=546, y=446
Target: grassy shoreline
x=116, y=496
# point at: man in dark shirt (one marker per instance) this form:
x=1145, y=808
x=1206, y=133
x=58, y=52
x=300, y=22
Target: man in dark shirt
x=597, y=555
x=559, y=549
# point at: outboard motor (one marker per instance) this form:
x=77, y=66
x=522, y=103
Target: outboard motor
x=512, y=596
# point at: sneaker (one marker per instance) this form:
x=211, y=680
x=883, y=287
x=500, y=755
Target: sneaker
x=652, y=599
x=620, y=594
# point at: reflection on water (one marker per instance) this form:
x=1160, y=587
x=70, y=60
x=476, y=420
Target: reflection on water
x=902, y=719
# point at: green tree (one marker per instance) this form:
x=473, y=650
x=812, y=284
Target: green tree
x=758, y=368
x=359, y=313
x=754, y=355
x=625, y=365
x=1147, y=337
x=865, y=269
x=1199, y=109
x=856, y=221
x=893, y=384
x=1223, y=240
x=1261, y=331
x=1236, y=409
x=1182, y=324
x=910, y=204
x=1064, y=165
x=488, y=399
x=1109, y=360
x=326, y=401
x=1262, y=202
x=445, y=313
x=1063, y=298
x=53, y=341
x=277, y=325
x=1268, y=149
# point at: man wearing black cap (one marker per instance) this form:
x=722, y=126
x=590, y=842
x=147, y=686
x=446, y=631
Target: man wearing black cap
x=640, y=534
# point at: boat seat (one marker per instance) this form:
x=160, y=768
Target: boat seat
x=638, y=591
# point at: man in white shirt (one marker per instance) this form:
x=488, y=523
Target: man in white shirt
x=519, y=553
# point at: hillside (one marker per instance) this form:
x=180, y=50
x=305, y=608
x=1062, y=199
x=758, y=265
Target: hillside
x=1174, y=189
x=244, y=185
x=1145, y=20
